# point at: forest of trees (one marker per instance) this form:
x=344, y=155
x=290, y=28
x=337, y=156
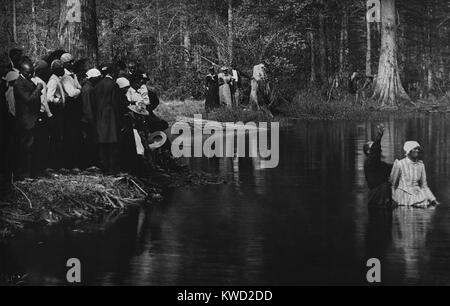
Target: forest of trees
x=304, y=43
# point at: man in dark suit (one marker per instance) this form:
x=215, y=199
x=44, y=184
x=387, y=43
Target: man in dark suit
x=28, y=104
x=107, y=118
x=4, y=173
x=89, y=150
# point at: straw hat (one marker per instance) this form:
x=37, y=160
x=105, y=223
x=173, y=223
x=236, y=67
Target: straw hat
x=138, y=109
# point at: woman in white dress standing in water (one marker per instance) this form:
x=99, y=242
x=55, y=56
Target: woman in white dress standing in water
x=409, y=180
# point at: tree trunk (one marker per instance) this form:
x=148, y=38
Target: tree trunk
x=313, y=77
x=322, y=49
x=429, y=49
x=34, y=30
x=343, y=43
x=159, y=51
x=187, y=46
x=185, y=35
x=78, y=28
x=14, y=21
x=369, y=50
x=389, y=88
x=230, y=32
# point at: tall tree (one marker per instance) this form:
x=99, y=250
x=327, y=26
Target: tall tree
x=368, y=49
x=78, y=28
x=230, y=32
x=34, y=38
x=343, y=40
x=389, y=88
x=313, y=77
x=14, y=13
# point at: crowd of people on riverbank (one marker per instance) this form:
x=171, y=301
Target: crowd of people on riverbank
x=53, y=119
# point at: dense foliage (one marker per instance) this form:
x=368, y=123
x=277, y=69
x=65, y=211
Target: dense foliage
x=303, y=42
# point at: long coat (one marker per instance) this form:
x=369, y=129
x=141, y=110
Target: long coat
x=3, y=128
x=212, y=94
x=106, y=111
x=28, y=103
x=87, y=99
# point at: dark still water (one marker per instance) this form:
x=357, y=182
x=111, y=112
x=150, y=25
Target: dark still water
x=306, y=222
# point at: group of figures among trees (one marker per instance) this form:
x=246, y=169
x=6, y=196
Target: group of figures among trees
x=304, y=44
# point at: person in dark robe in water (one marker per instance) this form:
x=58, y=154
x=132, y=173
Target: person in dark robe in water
x=377, y=173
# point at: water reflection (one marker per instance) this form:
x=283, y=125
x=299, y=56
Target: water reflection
x=305, y=222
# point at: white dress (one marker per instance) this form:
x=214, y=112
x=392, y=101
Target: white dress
x=409, y=183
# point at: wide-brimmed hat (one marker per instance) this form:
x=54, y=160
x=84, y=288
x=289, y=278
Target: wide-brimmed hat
x=134, y=108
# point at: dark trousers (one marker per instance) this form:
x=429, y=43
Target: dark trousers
x=5, y=170
x=27, y=152
x=109, y=157
x=42, y=144
x=72, y=133
x=89, y=151
x=56, y=137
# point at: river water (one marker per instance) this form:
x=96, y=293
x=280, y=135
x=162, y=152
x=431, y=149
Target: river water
x=305, y=222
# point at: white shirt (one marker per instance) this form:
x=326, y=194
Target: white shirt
x=235, y=76
x=133, y=96
x=70, y=84
x=55, y=91
x=11, y=100
x=143, y=91
x=44, y=105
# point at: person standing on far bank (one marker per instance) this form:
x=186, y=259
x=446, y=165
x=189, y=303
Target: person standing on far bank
x=225, y=80
x=212, y=90
x=89, y=152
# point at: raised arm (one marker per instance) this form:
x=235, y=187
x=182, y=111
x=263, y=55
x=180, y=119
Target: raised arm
x=375, y=150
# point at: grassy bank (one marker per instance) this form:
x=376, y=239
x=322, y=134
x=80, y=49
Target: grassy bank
x=170, y=110
x=307, y=105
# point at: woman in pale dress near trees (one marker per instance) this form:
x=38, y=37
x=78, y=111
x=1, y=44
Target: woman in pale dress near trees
x=225, y=80
x=409, y=180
